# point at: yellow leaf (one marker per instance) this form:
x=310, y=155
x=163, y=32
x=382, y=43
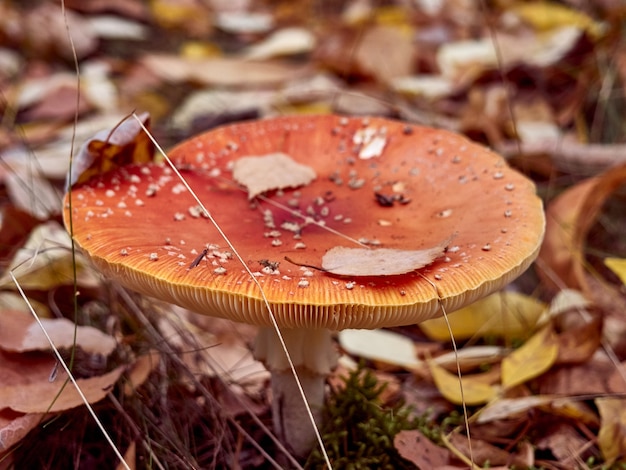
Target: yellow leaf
x=532, y=359
x=475, y=390
x=618, y=266
x=545, y=15
x=612, y=437
x=505, y=314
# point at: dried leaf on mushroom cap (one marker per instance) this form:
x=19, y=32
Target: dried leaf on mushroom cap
x=346, y=261
x=272, y=171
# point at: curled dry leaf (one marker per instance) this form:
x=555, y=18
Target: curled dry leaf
x=569, y=218
x=273, y=171
x=112, y=148
x=346, y=261
x=20, y=333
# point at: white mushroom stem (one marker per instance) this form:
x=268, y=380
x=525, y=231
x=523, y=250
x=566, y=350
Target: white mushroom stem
x=314, y=356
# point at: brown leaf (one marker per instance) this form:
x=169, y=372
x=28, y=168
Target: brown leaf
x=565, y=442
x=587, y=378
x=268, y=172
x=109, y=149
x=418, y=449
x=26, y=386
x=346, y=261
x=20, y=333
x=15, y=227
x=15, y=426
x=569, y=219
x=484, y=452
x=579, y=343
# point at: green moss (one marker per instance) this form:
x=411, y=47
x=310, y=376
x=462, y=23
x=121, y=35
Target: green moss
x=358, y=430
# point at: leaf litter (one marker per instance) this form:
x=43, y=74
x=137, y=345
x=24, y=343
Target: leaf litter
x=348, y=261
x=558, y=134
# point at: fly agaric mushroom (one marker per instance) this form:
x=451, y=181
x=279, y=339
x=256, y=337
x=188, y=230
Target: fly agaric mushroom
x=375, y=185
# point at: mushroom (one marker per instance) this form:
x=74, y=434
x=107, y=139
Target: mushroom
x=379, y=184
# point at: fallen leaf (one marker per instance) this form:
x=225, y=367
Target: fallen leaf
x=618, y=266
x=384, y=52
x=419, y=450
x=532, y=359
x=506, y=314
x=505, y=408
x=268, y=172
x=470, y=357
x=474, y=392
x=224, y=71
x=140, y=370
x=15, y=227
x=111, y=148
x=21, y=333
x=588, y=378
x=580, y=340
x=45, y=261
x=15, y=426
x=569, y=218
x=565, y=442
x=485, y=453
x=32, y=193
x=346, y=261
x=550, y=15
x=381, y=346
x=25, y=385
x=612, y=435
x=287, y=41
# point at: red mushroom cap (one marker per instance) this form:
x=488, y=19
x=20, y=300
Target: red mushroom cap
x=385, y=183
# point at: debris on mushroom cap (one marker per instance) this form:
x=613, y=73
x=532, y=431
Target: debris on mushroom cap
x=378, y=262
x=274, y=171
x=440, y=184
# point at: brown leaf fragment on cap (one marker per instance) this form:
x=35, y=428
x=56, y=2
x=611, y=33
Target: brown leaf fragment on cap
x=380, y=261
x=272, y=171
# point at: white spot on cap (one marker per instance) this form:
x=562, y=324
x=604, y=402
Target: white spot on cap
x=350, y=285
x=154, y=256
x=303, y=283
x=220, y=270
x=109, y=193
